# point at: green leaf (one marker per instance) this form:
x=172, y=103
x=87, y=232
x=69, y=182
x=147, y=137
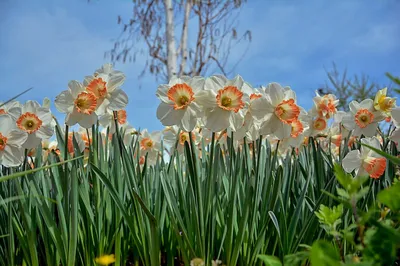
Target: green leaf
x=391, y=197
x=270, y=260
x=323, y=253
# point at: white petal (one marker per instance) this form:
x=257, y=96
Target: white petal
x=31, y=142
x=16, y=137
x=30, y=106
x=44, y=114
x=64, y=102
x=396, y=115
x=162, y=91
x=7, y=124
x=215, y=83
x=354, y=107
x=282, y=130
x=168, y=116
x=261, y=107
x=370, y=130
x=352, y=161
x=348, y=122
x=189, y=120
x=88, y=121
x=275, y=93
x=236, y=121
x=217, y=120
x=12, y=156
x=73, y=118
x=115, y=81
x=45, y=131
x=118, y=100
x=75, y=87
x=395, y=135
x=197, y=83
x=206, y=98
x=367, y=104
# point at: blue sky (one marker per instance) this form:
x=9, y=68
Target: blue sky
x=45, y=43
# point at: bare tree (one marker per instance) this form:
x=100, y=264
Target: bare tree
x=347, y=89
x=181, y=37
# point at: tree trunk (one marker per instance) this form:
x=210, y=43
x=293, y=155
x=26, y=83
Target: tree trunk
x=184, y=37
x=169, y=30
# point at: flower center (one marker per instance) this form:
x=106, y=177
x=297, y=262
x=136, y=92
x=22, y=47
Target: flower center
x=121, y=116
x=364, y=117
x=2, y=111
x=98, y=88
x=85, y=103
x=230, y=99
x=287, y=111
x=319, y=124
x=146, y=144
x=3, y=142
x=375, y=167
x=181, y=94
x=297, y=128
x=184, y=136
x=29, y=122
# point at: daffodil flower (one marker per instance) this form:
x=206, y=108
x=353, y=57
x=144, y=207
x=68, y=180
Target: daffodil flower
x=104, y=84
x=383, y=103
x=224, y=103
x=36, y=121
x=11, y=140
x=362, y=118
x=365, y=161
x=277, y=109
x=179, y=105
x=79, y=105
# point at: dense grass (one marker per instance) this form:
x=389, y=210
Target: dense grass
x=230, y=204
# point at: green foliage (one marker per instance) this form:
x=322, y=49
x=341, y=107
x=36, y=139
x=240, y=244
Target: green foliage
x=323, y=253
x=330, y=218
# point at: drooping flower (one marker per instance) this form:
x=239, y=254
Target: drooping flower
x=104, y=84
x=365, y=161
x=12, y=108
x=107, y=120
x=11, y=141
x=36, y=121
x=324, y=106
x=178, y=102
x=383, y=103
x=173, y=136
x=78, y=104
x=224, y=103
x=362, y=118
x=277, y=109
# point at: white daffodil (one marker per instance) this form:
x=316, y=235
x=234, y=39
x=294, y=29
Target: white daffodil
x=36, y=121
x=178, y=102
x=12, y=108
x=324, y=106
x=107, y=120
x=383, y=103
x=104, y=84
x=11, y=140
x=170, y=136
x=150, y=142
x=365, y=161
x=277, y=109
x=224, y=103
x=78, y=104
x=362, y=118
x=395, y=113
x=130, y=135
